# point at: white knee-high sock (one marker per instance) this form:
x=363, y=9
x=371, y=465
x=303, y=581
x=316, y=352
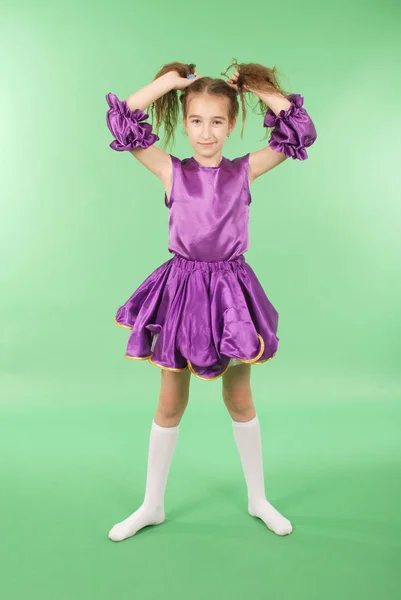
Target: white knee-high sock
x=248, y=439
x=162, y=444
x=249, y=444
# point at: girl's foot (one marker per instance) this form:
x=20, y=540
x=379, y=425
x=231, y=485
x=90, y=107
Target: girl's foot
x=142, y=517
x=270, y=516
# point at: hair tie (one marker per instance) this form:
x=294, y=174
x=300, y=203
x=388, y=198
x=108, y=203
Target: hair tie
x=191, y=76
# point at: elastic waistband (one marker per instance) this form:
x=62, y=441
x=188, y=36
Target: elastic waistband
x=214, y=265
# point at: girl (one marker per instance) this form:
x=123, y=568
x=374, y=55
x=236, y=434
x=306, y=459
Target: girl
x=204, y=312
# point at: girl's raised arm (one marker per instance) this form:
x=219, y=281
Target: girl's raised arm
x=125, y=119
x=293, y=132
x=154, y=90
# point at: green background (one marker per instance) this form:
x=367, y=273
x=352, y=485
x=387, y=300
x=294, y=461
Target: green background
x=81, y=228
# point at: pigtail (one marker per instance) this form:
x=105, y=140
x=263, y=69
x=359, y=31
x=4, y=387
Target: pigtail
x=255, y=77
x=165, y=110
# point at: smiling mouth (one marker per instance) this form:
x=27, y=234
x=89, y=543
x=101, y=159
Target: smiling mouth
x=209, y=144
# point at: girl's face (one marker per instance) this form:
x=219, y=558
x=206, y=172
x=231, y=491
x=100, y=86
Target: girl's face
x=207, y=123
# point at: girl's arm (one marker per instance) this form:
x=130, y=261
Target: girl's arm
x=275, y=102
x=293, y=132
x=154, y=90
x=126, y=120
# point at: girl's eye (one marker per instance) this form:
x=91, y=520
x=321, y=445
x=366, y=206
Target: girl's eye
x=196, y=120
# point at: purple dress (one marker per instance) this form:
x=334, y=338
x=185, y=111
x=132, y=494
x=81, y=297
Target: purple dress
x=204, y=309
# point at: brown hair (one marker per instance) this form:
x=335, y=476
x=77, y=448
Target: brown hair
x=252, y=75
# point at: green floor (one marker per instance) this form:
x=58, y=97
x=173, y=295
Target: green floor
x=73, y=463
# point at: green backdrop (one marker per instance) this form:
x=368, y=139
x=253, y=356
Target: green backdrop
x=81, y=228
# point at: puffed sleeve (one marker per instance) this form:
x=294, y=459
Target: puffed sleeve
x=293, y=129
x=127, y=126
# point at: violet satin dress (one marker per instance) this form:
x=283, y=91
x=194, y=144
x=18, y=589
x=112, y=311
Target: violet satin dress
x=204, y=309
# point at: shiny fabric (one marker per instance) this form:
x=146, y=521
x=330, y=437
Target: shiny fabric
x=127, y=126
x=209, y=209
x=205, y=314
x=205, y=309
x=293, y=129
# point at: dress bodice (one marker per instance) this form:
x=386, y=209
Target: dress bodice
x=209, y=209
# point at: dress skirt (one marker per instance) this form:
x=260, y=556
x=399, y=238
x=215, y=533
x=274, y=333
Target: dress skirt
x=199, y=315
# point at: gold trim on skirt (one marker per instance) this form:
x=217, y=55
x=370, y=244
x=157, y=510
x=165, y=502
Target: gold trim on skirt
x=252, y=361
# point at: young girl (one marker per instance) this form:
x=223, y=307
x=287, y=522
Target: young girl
x=204, y=311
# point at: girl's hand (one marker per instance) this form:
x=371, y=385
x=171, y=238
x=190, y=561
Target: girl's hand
x=180, y=83
x=233, y=82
